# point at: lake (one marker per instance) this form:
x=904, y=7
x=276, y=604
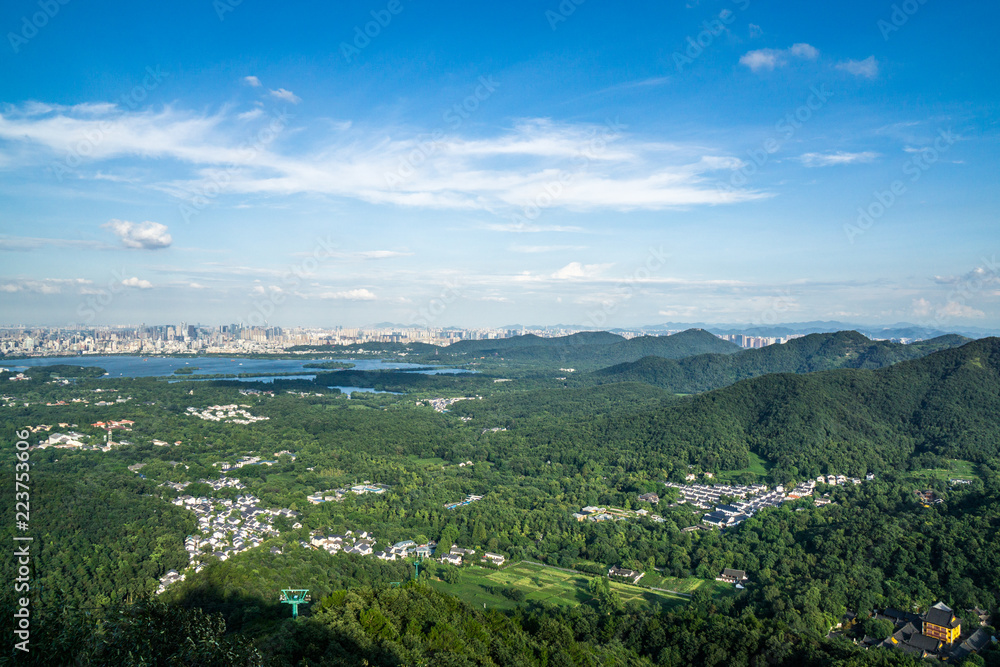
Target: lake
x=136, y=366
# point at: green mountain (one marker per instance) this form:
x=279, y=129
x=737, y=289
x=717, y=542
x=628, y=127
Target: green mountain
x=592, y=349
x=946, y=404
x=815, y=352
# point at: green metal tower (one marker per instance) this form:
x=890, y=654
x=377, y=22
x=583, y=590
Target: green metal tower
x=295, y=597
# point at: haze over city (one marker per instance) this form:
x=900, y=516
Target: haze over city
x=442, y=164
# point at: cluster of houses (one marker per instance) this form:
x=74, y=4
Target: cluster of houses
x=749, y=499
x=937, y=633
x=337, y=495
x=594, y=513
x=112, y=424
x=928, y=498
x=441, y=404
x=226, y=527
x=230, y=414
x=363, y=544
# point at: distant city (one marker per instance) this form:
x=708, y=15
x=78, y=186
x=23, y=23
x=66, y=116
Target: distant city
x=184, y=338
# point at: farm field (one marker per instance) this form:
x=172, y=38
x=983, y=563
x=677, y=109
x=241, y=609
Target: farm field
x=958, y=469
x=479, y=586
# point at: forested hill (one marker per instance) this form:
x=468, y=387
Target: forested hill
x=946, y=404
x=592, y=349
x=815, y=352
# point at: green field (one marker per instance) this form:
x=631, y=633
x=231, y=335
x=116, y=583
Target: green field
x=688, y=585
x=541, y=584
x=958, y=469
x=757, y=466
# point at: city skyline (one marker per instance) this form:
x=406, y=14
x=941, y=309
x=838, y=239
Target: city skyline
x=475, y=167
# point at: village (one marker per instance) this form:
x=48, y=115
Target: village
x=937, y=633
x=230, y=414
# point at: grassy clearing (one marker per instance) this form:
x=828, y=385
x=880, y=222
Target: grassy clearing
x=758, y=466
x=688, y=585
x=541, y=584
x=957, y=469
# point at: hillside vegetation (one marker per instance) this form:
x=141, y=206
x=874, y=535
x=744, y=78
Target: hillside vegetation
x=816, y=352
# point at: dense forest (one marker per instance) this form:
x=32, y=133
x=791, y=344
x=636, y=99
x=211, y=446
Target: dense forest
x=536, y=447
x=815, y=352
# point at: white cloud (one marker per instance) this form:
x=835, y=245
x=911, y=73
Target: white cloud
x=755, y=31
x=196, y=286
x=45, y=285
x=578, y=271
x=804, y=51
x=27, y=243
x=252, y=80
x=137, y=283
x=250, y=115
x=349, y=295
x=955, y=309
x=144, y=235
x=588, y=167
x=769, y=59
x=840, y=157
x=867, y=68
x=921, y=307
x=544, y=248
x=286, y=95
x=381, y=254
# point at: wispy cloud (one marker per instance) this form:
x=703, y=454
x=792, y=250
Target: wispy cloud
x=286, y=95
x=28, y=243
x=503, y=171
x=44, y=286
x=840, y=157
x=252, y=80
x=250, y=115
x=348, y=295
x=867, y=68
x=769, y=59
x=544, y=248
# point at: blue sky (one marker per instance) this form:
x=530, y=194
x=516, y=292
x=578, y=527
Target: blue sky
x=606, y=164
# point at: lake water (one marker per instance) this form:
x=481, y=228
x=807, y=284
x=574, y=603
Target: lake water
x=135, y=366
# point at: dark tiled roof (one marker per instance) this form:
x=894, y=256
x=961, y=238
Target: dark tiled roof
x=942, y=618
x=924, y=642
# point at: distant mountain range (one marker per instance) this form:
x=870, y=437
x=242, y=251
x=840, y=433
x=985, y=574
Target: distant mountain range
x=815, y=352
x=946, y=404
x=593, y=348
